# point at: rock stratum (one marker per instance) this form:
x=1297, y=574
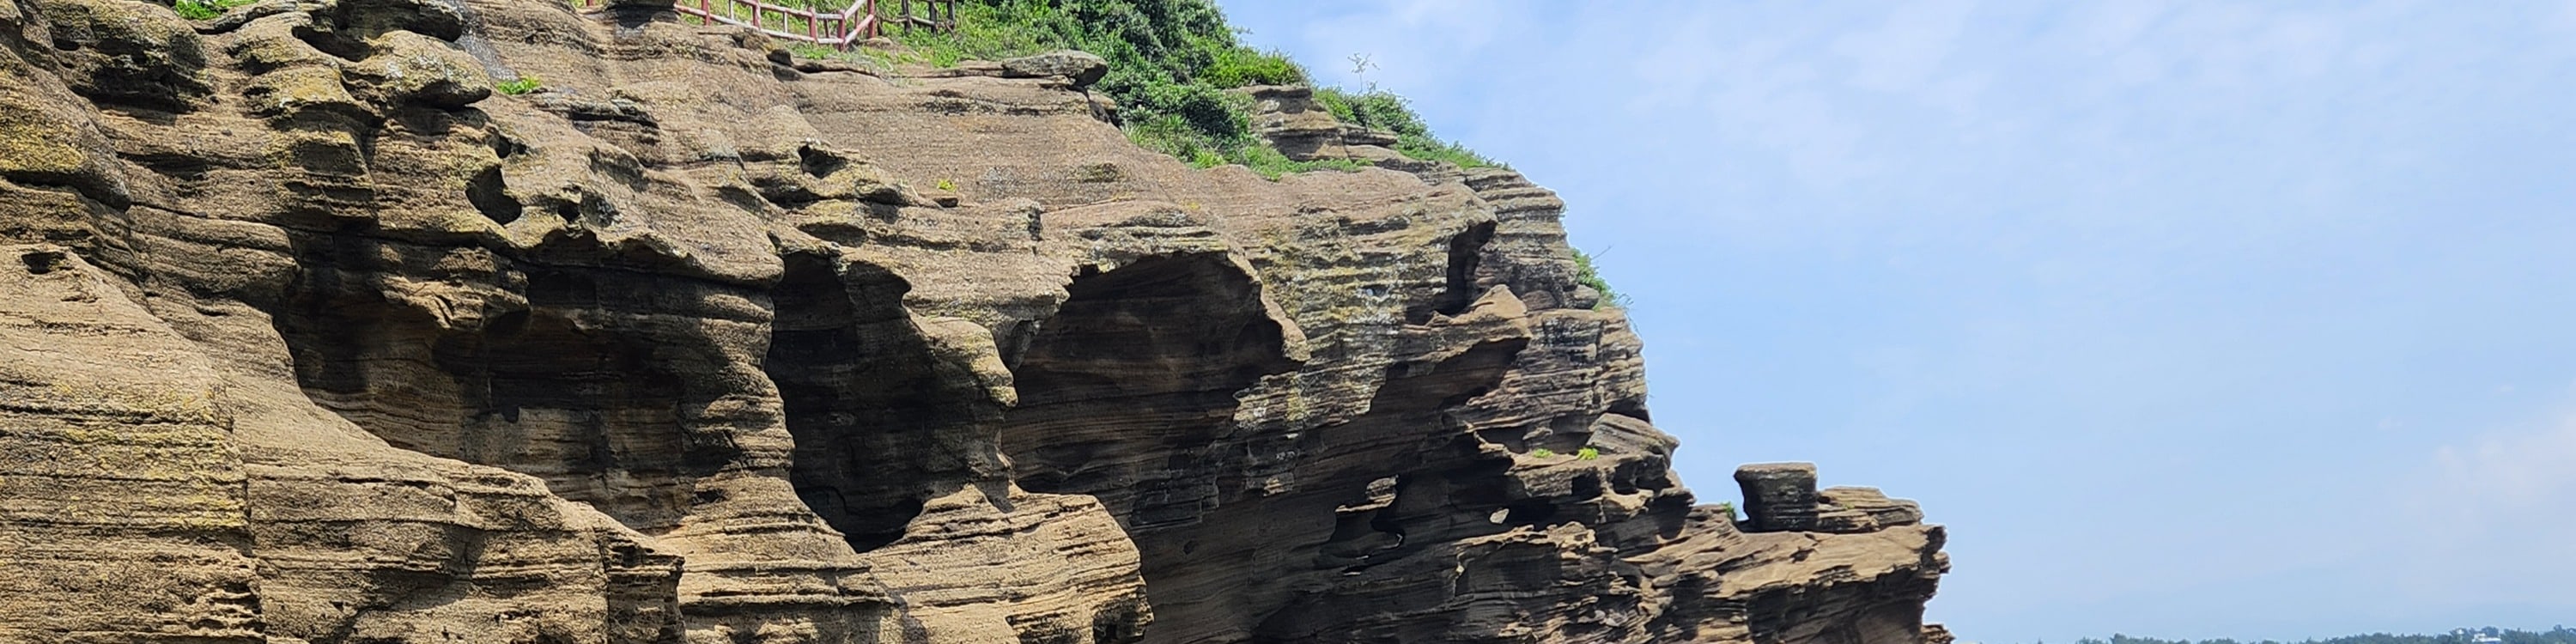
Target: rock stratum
x=308, y=336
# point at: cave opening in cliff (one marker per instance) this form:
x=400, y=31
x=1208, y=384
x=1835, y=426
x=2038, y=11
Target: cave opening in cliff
x=1141, y=360
x=878, y=420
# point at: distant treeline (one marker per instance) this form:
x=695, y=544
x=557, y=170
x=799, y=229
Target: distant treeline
x=2558, y=635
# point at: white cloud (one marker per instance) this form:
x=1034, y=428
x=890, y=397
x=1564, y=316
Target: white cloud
x=2487, y=518
x=2500, y=477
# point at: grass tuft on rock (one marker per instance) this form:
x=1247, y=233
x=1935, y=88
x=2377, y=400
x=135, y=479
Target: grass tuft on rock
x=207, y=9
x=520, y=85
x=1384, y=110
x=1588, y=275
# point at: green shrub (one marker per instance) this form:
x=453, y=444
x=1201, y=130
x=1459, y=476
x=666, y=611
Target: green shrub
x=517, y=86
x=1221, y=116
x=1728, y=508
x=194, y=10
x=1242, y=67
x=1386, y=111
x=1170, y=62
x=1587, y=453
x=1585, y=274
x=1429, y=149
x=1373, y=108
x=1543, y=453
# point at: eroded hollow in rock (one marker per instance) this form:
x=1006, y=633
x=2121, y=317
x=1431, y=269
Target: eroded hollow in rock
x=491, y=196
x=555, y=372
x=1127, y=394
x=1458, y=289
x=1142, y=360
x=43, y=261
x=879, y=421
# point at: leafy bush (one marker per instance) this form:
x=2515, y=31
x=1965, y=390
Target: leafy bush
x=1543, y=453
x=1170, y=62
x=1241, y=67
x=194, y=10
x=1223, y=118
x=1373, y=108
x=1587, y=453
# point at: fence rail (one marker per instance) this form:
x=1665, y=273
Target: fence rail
x=862, y=20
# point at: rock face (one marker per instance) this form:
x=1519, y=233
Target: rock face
x=1291, y=120
x=1076, y=67
x=307, y=336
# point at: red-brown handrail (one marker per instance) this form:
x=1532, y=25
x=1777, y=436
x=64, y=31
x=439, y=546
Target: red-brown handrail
x=860, y=21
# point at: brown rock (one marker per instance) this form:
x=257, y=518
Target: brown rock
x=126, y=52
x=1863, y=509
x=653, y=356
x=412, y=68
x=1080, y=68
x=1290, y=119
x=1778, y=497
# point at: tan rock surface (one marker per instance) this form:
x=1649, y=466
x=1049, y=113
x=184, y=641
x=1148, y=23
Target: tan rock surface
x=310, y=337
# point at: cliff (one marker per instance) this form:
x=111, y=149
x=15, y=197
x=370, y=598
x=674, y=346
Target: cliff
x=309, y=336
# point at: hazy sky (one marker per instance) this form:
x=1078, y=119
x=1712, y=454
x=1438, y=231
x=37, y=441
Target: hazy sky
x=2190, y=319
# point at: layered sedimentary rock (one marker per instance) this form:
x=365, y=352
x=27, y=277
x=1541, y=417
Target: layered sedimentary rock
x=310, y=336
x=1292, y=121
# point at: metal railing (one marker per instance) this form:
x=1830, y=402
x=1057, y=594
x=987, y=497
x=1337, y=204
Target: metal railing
x=862, y=20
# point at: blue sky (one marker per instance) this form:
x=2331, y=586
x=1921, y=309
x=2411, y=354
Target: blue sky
x=2190, y=319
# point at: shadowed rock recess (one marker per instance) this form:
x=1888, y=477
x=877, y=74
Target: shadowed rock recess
x=308, y=336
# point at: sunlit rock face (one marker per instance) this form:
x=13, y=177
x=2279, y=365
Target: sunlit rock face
x=308, y=336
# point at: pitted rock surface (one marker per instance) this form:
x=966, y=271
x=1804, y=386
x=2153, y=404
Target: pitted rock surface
x=307, y=336
x=1079, y=67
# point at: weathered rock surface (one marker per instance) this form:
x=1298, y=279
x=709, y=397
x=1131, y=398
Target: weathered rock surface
x=1290, y=119
x=1077, y=67
x=306, y=336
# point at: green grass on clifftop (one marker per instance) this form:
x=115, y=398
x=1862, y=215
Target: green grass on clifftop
x=1588, y=275
x=1170, y=64
x=1387, y=111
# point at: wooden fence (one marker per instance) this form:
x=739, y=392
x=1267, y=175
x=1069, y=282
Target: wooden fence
x=861, y=20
